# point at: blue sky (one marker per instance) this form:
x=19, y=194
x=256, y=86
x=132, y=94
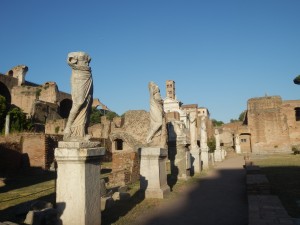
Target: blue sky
x=220, y=53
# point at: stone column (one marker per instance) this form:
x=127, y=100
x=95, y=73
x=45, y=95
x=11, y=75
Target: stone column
x=7, y=123
x=78, y=182
x=153, y=172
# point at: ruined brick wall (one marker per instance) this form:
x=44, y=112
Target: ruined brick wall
x=288, y=108
x=127, y=163
x=37, y=148
x=245, y=143
x=10, y=155
x=34, y=145
x=49, y=92
x=55, y=127
x=9, y=81
x=24, y=97
x=51, y=142
x=268, y=125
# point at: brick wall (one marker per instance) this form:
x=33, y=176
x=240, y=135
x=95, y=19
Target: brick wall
x=129, y=163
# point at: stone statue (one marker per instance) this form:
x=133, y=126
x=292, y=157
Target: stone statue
x=157, y=117
x=203, y=132
x=82, y=97
x=193, y=130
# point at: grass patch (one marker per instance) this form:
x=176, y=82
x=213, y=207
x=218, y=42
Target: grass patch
x=283, y=172
x=17, y=190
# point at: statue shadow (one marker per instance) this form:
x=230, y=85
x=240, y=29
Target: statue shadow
x=121, y=208
x=172, y=178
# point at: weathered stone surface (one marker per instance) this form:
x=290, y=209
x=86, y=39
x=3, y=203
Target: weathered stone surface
x=267, y=209
x=153, y=172
x=268, y=125
x=158, y=129
x=82, y=96
x=78, y=204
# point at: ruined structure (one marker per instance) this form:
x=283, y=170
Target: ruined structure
x=127, y=136
x=39, y=102
x=271, y=125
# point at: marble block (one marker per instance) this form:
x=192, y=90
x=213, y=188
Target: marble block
x=78, y=182
x=153, y=172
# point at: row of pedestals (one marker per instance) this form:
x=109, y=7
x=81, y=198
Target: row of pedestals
x=78, y=178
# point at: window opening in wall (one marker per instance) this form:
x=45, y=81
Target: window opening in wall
x=119, y=144
x=297, y=113
x=244, y=140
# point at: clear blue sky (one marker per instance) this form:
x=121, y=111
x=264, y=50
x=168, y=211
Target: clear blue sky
x=220, y=53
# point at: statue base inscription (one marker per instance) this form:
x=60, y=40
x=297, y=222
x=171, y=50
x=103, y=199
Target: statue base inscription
x=78, y=182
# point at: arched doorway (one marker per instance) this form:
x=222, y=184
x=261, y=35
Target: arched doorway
x=65, y=108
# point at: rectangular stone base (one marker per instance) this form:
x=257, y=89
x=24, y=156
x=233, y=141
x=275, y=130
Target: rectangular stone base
x=78, y=182
x=157, y=193
x=196, y=160
x=218, y=155
x=153, y=172
x=205, y=158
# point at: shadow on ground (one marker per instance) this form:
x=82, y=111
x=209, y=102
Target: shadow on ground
x=18, y=212
x=218, y=200
x=24, y=178
x=121, y=208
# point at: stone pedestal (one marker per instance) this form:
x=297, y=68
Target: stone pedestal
x=196, y=160
x=238, y=149
x=78, y=182
x=7, y=123
x=218, y=154
x=183, y=162
x=205, y=158
x=153, y=172
x=224, y=153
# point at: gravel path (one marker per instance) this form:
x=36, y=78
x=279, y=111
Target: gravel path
x=218, y=199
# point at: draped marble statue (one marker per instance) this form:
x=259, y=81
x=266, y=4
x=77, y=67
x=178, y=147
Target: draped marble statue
x=157, y=116
x=82, y=97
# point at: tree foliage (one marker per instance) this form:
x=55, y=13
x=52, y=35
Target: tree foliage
x=297, y=80
x=18, y=120
x=110, y=115
x=217, y=123
x=242, y=116
x=211, y=143
x=95, y=116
